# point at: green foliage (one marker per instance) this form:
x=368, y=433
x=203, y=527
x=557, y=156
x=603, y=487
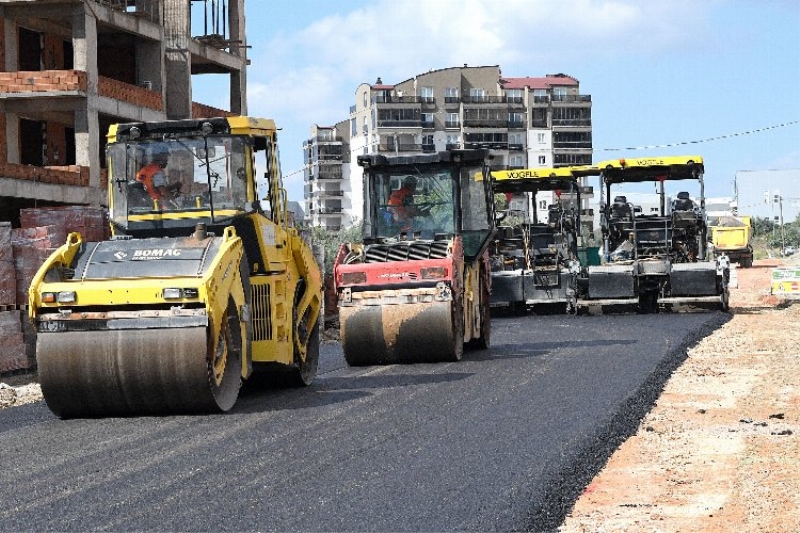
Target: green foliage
x=761, y=226
x=332, y=240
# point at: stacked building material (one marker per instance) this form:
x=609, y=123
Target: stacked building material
x=22, y=252
x=14, y=354
x=8, y=285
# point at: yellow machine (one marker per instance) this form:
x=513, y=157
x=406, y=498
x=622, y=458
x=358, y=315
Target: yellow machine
x=198, y=288
x=731, y=235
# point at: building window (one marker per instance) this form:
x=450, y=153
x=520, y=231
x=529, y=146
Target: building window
x=559, y=94
x=452, y=120
x=453, y=142
x=540, y=96
x=514, y=96
x=541, y=138
x=353, y=127
x=542, y=204
x=365, y=99
x=365, y=127
x=451, y=95
x=477, y=94
x=516, y=161
x=427, y=120
x=542, y=160
x=426, y=93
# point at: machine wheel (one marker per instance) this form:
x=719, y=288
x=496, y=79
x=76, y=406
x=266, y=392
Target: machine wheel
x=648, y=302
x=725, y=300
x=304, y=371
x=225, y=360
x=458, y=334
x=484, y=341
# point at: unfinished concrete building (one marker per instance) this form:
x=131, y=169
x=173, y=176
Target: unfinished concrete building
x=70, y=68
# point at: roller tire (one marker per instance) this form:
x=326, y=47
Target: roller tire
x=141, y=372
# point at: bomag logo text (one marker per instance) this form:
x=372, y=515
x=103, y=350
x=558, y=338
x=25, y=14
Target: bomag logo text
x=155, y=253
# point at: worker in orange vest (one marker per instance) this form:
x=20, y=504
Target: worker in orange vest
x=154, y=180
x=401, y=203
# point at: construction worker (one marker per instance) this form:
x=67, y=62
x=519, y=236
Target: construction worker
x=401, y=203
x=154, y=179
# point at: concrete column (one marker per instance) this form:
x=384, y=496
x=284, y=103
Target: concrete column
x=84, y=45
x=238, y=80
x=177, y=59
x=87, y=125
x=12, y=138
x=11, y=45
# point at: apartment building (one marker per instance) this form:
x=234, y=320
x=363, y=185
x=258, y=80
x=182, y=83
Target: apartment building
x=70, y=68
x=525, y=121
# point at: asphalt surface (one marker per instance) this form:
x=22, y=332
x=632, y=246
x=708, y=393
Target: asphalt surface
x=504, y=440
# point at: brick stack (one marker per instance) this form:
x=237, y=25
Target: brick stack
x=22, y=252
x=8, y=285
x=13, y=352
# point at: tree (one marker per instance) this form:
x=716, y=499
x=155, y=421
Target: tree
x=332, y=240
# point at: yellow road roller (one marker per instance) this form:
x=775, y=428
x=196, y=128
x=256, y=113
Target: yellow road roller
x=200, y=286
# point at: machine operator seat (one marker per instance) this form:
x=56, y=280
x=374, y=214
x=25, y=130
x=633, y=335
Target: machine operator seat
x=621, y=209
x=683, y=202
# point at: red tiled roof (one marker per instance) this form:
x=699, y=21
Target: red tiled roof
x=381, y=87
x=548, y=81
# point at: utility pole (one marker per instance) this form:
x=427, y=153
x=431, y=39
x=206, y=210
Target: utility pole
x=783, y=229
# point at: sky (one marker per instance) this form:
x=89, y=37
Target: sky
x=718, y=78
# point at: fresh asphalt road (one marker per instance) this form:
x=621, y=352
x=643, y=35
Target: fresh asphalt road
x=504, y=440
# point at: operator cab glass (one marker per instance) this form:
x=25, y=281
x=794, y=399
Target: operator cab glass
x=179, y=180
x=427, y=210
x=430, y=201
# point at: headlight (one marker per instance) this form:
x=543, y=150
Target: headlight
x=433, y=273
x=63, y=297
x=179, y=294
x=351, y=278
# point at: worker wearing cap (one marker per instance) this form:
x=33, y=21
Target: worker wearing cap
x=401, y=203
x=154, y=180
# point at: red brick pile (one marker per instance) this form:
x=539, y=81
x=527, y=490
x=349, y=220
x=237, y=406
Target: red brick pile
x=22, y=252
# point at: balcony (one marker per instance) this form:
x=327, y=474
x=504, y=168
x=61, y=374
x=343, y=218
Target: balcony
x=572, y=145
x=393, y=99
x=514, y=147
x=492, y=145
x=428, y=148
x=322, y=193
x=399, y=123
x=452, y=124
x=485, y=99
x=572, y=98
x=329, y=173
x=572, y=122
x=329, y=158
x=325, y=139
x=452, y=146
x=392, y=148
x=516, y=125
x=485, y=123
x=452, y=100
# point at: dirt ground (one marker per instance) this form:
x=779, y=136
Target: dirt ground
x=718, y=453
